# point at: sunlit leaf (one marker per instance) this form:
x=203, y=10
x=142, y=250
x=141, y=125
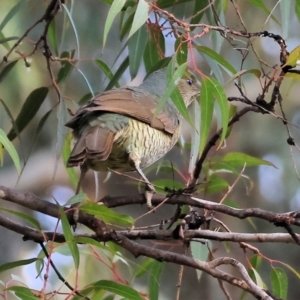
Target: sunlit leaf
x=10, y=149
x=294, y=57
x=115, y=8
x=17, y=263
x=23, y=292
x=140, y=17
x=107, y=214
x=181, y=49
x=239, y=159
x=279, y=283
x=118, y=289
x=257, y=278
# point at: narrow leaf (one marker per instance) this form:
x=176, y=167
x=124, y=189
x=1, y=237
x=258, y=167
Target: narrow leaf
x=136, y=48
x=153, y=285
x=239, y=159
x=207, y=108
x=285, y=12
x=140, y=17
x=115, y=8
x=28, y=111
x=108, y=73
x=107, y=214
x=181, y=49
x=10, y=149
x=27, y=218
x=7, y=69
x=76, y=199
x=18, y=263
x=69, y=237
x=199, y=252
x=23, y=292
x=217, y=57
x=118, y=289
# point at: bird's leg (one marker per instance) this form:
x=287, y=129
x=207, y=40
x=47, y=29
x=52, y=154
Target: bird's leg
x=83, y=170
x=150, y=190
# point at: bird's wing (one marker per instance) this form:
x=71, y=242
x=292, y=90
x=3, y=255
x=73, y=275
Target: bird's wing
x=132, y=103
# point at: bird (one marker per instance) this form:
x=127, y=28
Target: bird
x=119, y=129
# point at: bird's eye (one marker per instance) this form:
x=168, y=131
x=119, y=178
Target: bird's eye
x=189, y=81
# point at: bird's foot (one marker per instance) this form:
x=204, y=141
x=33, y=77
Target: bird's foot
x=75, y=208
x=150, y=191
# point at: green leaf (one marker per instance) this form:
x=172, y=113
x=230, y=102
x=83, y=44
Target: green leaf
x=181, y=49
x=221, y=99
x=118, y=289
x=260, y=4
x=297, y=9
x=217, y=57
x=4, y=40
x=89, y=241
x=69, y=237
x=239, y=159
x=126, y=27
x=7, y=69
x=11, y=13
x=153, y=284
x=76, y=199
x=18, y=263
x=155, y=48
x=255, y=72
x=285, y=13
x=136, y=47
x=161, y=184
x=215, y=184
x=199, y=252
x=115, y=8
x=258, y=279
x=294, y=57
x=107, y=214
x=279, y=282
x=22, y=292
x=66, y=67
x=198, y=11
x=207, y=108
x=122, y=68
x=10, y=149
x=52, y=37
x=140, y=17
x=170, y=3
x=66, y=151
x=27, y=218
x=143, y=268
x=108, y=73
x=28, y=111
x=172, y=78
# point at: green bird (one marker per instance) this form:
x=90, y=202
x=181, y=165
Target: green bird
x=117, y=130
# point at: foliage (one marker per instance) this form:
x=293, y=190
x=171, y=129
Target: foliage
x=218, y=43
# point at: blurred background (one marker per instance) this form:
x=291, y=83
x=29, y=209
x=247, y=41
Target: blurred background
x=263, y=136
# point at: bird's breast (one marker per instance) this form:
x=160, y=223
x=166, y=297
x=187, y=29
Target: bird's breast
x=147, y=143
